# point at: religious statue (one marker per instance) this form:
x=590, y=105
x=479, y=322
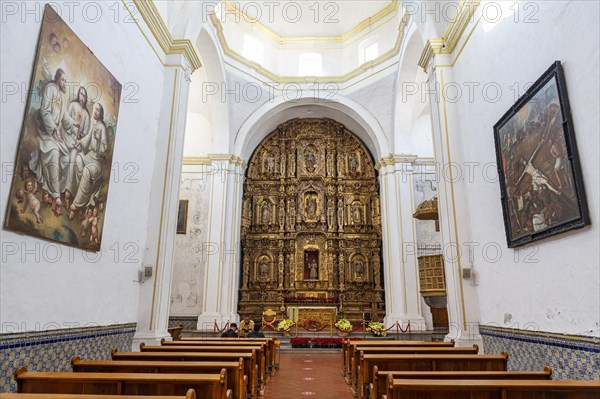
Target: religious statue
x=292, y=167
x=357, y=213
x=330, y=215
x=314, y=273
x=359, y=267
x=270, y=164
x=263, y=268
x=266, y=213
x=341, y=214
x=311, y=207
x=310, y=160
x=352, y=163
x=330, y=159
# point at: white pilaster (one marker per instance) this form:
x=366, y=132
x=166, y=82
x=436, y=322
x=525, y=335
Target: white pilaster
x=223, y=246
x=154, y=299
x=463, y=303
x=402, y=298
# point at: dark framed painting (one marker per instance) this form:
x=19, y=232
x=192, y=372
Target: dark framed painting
x=541, y=182
x=63, y=162
x=182, y=215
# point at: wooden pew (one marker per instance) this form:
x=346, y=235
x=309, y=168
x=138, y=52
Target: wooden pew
x=350, y=349
x=380, y=378
x=256, y=349
x=492, y=389
x=272, y=344
x=191, y=394
x=236, y=380
x=205, y=385
x=356, y=360
x=264, y=349
x=424, y=362
x=250, y=364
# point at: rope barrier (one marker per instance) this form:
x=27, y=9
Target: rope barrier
x=224, y=328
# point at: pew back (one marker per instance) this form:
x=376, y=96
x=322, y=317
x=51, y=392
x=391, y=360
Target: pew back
x=492, y=389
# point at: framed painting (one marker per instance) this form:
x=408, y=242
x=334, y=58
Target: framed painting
x=541, y=183
x=63, y=163
x=182, y=217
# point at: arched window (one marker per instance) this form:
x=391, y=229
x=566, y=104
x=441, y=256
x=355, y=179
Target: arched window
x=368, y=50
x=310, y=64
x=253, y=49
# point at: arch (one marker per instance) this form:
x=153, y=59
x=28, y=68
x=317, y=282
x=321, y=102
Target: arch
x=339, y=108
x=412, y=108
x=207, y=109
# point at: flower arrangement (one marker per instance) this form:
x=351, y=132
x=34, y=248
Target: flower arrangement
x=377, y=328
x=311, y=325
x=344, y=325
x=285, y=325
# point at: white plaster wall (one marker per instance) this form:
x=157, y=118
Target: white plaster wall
x=552, y=285
x=189, y=269
x=54, y=286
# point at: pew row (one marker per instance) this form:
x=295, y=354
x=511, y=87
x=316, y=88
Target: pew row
x=361, y=351
x=249, y=358
x=272, y=344
x=236, y=380
x=424, y=362
x=191, y=394
x=349, y=348
x=255, y=349
x=205, y=385
x=491, y=389
x=264, y=351
x=378, y=387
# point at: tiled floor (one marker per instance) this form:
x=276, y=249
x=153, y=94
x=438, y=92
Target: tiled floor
x=308, y=375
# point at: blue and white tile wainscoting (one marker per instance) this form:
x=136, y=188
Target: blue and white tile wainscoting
x=52, y=350
x=188, y=322
x=571, y=357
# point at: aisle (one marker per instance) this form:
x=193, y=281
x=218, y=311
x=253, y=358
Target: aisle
x=311, y=374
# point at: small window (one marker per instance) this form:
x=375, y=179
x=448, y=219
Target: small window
x=368, y=50
x=253, y=49
x=371, y=52
x=310, y=64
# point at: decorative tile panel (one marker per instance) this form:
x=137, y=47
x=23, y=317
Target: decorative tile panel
x=188, y=322
x=52, y=350
x=570, y=357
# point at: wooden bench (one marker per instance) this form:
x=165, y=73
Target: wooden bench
x=356, y=360
x=380, y=378
x=349, y=349
x=272, y=344
x=424, y=362
x=249, y=358
x=491, y=389
x=205, y=385
x=191, y=394
x=175, y=332
x=236, y=380
x=256, y=349
x=263, y=352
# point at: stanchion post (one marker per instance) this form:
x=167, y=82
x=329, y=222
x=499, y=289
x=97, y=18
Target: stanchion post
x=215, y=328
x=364, y=330
x=397, y=332
x=330, y=328
x=296, y=329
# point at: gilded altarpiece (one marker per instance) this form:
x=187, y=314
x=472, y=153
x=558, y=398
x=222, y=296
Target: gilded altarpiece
x=311, y=222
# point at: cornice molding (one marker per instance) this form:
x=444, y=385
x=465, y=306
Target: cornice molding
x=163, y=37
x=394, y=159
x=213, y=158
x=392, y=8
x=273, y=77
x=448, y=42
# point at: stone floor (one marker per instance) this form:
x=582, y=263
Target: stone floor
x=303, y=375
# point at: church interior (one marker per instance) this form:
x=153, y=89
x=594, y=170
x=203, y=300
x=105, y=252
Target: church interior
x=406, y=185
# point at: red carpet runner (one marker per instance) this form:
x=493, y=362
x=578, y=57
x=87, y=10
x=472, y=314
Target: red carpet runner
x=309, y=375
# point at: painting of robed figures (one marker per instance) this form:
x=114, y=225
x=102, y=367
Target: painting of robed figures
x=540, y=177
x=63, y=163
